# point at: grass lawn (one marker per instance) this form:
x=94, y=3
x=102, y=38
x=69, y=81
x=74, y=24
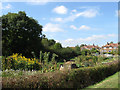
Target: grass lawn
x=110, y=82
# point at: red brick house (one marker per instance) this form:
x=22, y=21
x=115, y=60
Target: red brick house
x=109, y=47
x=90, y=47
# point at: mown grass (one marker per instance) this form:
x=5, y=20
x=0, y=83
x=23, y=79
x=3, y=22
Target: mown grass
x=110, y=82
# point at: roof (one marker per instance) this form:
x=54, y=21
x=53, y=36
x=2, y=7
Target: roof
x=72, y=47
x=111, y=45
x=90, y=46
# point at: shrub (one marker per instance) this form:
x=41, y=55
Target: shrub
x=76, y=78
x=20, y=62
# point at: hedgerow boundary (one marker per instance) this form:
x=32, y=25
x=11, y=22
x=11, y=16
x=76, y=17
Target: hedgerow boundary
x=76, y=78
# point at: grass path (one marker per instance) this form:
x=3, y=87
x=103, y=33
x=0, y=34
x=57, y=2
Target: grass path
x=110, y=82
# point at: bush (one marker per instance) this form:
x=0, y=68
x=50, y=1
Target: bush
x=76, y=78
x=16, y=62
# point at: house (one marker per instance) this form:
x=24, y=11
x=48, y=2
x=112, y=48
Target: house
x=90, y=47
x=109, y=47
x=72, y=47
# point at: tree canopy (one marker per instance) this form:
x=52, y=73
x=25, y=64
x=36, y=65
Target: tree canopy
x=20, y=34
x=23, y=34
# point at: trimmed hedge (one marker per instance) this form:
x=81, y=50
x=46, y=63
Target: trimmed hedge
x=75, y=78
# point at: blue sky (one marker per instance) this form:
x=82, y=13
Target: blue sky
x=72, y=23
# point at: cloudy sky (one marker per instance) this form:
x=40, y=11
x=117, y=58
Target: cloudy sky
x=72, y=23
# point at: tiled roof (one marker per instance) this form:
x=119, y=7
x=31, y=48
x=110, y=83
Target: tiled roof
x=111, y=45
x=72, y=47
x=90, y=46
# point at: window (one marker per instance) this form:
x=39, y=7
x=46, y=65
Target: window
x=109, y=50
x=110, y=47
x=104, y=50
x=115, y=47
x=104, y=47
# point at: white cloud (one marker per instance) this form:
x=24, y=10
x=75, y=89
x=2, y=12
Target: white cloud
x=73, y=27
x=49, y=27
x=0, y=6
x=60, y=10
x=84, y=27
x=37, y=2
x=88, y=13
x=73, y=11
x=96, y=39
x=8, y=6
x=57, y=19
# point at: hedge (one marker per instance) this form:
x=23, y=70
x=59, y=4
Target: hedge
x=75, y=78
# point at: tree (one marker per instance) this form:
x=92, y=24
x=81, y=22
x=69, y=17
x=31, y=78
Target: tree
x=77, y=49
x=119, y=43
x=82, y=45
x=0, y=37
x=51, y=42
x=111, y=42
x=57, y=46
x=45, y=42
x=118, y=50
x=20, y=34
x=85, y=52
x=41, y=56
x=94, y=50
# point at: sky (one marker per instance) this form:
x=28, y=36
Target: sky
x=72, y=23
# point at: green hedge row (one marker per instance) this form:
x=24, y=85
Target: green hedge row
x=76, y=78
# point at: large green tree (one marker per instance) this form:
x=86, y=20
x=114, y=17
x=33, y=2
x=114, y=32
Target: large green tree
x=0, y=36
x=20, y=34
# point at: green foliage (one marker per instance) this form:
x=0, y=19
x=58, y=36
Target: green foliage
x=111, y=42
x=118, y=50
x=91, y=60
x=33, y=54
x=41, y=56
x=94, y=50
x=77, y=50
x=45, y=42
x=76, y=78
x=19, y=62
x=51, y=42
x=53, y=58
x=20, y=34
x=57, y=46
x=23, y=34
x=85, y=52
x=82, y=45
